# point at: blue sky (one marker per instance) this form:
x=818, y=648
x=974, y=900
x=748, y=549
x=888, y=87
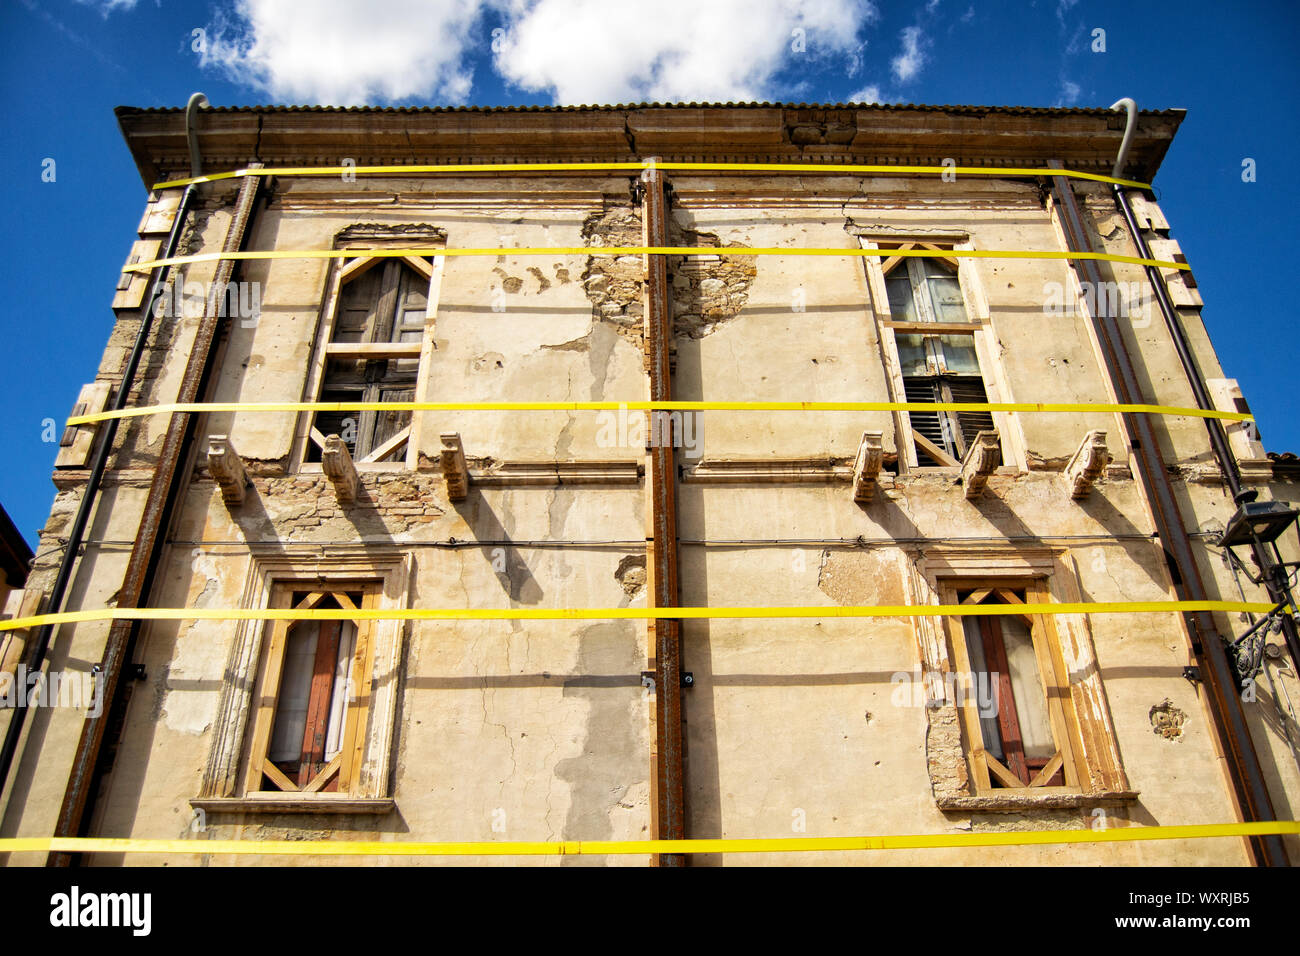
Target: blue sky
x=67, y=63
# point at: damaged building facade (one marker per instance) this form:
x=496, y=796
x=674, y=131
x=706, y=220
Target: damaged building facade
x=537, y=728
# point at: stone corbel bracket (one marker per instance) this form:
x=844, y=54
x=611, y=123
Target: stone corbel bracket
x=981, y=459
x=1087, y=464
x=454, y=470
x=866, y=468
x=227, y=469
x=337, y=464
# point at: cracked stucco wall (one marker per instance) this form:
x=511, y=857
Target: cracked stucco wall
x=539, y=730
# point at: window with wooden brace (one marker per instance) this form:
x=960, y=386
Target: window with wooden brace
x=373, y=355
x=1019, y=719
x=1022, y=737
x=313, y=688
x=374, y=344
x=934, y=340
x=308, y=708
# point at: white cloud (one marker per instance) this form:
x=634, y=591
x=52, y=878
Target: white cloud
x=908, y=63
x=612, y=51
x=105, y=7
x=1069, y=93
x=577, y=51
x=868, y=94
x=346, y=53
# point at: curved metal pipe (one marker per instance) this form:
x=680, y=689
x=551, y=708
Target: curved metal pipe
x=197, y=102
x=1130, y=126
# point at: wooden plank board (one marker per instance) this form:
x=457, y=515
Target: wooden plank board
x=81, y=438
x=934, y=451
x=1055, y=685
x=389, y=446
x=352, y=746
x=268, y=688
x=307, y=432
x=966, y=710
x=1008, y=778
x=373, y=350
x=1065, y=724
x=23, y=602
x=931, y=328
x=277, y=777
x=428, y=346
x=888, y=265
x=323, y=778
x=359, y=266
x=422, y=266
x=1048, y=771
x=133, y=285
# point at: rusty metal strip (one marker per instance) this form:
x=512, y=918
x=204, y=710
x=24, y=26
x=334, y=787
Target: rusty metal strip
x=661, y=544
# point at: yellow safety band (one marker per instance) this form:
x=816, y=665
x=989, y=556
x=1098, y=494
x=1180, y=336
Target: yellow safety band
x=653, y=250
x=918, y=841
x=621, y=613
x=198, y=407
x=830, y=168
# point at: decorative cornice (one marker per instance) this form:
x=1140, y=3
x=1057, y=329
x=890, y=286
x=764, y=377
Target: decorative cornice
x=377, y=233
x=864, y=134
x=523, y=473
x=768, y=470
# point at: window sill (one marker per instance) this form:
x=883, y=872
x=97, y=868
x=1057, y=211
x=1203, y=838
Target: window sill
x=1013, y=800
x=291, y=803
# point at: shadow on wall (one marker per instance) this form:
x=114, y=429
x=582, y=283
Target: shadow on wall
x=515, y=577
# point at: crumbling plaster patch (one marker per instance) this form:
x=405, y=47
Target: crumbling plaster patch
x=1167, y=720
x=706, y=290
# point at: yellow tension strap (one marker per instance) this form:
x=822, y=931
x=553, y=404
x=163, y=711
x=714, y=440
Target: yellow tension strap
x=620, y=613
x=652, y=250
x=810, y=168
x=198, y=407
x=917, y=841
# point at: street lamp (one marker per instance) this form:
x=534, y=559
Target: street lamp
x=1258, y=525
x=1262, y=521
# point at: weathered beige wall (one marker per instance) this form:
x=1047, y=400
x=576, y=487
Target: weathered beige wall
x=544, y=725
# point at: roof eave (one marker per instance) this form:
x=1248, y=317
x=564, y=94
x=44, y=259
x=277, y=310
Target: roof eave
x=230, y=137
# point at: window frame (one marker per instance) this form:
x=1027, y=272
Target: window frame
x=225, y=784
x=345, y=764
x=979, y=327
x=362, y=239
x=953, y=737
x=985, y=768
